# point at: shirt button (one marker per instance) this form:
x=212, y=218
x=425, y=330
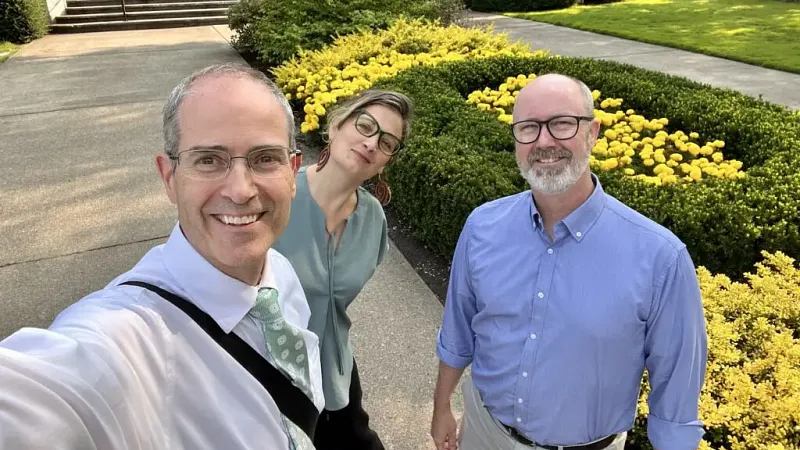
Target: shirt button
x=579, y=234
x=519, y=400
x=519, y=420
x=541, y=294
x=524, y=374
x=533, y=336
x=549, y=251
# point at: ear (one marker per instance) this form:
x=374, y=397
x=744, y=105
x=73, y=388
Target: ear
x=293, y=183
x=596, y=127
x=594, y=131
x=167, y=173
x=296, y=162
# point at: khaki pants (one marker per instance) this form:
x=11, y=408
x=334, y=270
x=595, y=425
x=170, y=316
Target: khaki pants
x=481, y=431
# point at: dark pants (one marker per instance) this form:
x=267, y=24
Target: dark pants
x=348, y=428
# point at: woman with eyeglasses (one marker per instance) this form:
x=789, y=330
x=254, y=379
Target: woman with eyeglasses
x=335, y=240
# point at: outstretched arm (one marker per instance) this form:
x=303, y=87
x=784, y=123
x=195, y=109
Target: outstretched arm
x=48, y=398
x=92, y=381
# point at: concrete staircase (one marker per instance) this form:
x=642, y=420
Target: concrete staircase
x=83, y=16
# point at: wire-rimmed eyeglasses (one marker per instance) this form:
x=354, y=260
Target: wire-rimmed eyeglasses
x=214, y=163
x=560, y=127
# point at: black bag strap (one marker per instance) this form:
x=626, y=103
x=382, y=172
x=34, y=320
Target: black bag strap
x=292, y=402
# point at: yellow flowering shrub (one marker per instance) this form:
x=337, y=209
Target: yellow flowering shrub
x=631, y=143
x=355, y=61
x=751, y=396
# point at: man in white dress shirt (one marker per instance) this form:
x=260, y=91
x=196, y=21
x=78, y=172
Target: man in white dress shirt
x=123, y=368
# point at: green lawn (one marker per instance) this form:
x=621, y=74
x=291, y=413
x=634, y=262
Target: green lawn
x=7, y=49
x=761, y=32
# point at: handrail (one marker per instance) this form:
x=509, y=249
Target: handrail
x=124, y=11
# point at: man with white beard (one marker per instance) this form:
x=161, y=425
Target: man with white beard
x=560, y=297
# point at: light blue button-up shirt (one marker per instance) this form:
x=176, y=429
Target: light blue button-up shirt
x=559, y=331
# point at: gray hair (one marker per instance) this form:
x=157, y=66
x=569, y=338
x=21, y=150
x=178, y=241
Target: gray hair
x=172, y=130
x=390, y=99
x=588, y=100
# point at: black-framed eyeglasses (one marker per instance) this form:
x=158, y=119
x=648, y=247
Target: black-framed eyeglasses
x=560, y=127
x=214, y=164
x=366, y=124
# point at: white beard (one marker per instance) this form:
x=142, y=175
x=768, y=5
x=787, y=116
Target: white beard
x=555, y=181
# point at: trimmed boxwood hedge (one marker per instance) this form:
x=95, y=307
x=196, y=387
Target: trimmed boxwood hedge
x=518, y=5
x=272, y=31
x=22, y=21
x=459, y=157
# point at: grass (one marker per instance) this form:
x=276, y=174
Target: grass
x=7, y=49
x=761, y=32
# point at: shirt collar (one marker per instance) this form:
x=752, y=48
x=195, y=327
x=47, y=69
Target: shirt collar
x=224, y=298
x=580, y=221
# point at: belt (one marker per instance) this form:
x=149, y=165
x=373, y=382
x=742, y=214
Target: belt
x=601, y=444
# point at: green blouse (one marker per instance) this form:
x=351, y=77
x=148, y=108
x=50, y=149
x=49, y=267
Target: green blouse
x=333, y=277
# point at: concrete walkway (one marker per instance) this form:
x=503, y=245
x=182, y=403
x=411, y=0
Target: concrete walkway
x=775, y=86
x=80, y=202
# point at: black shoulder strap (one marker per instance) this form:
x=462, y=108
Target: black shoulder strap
x=292, y=402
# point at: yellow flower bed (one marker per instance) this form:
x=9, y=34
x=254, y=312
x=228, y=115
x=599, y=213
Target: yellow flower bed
x=354, y=62
x=629, y=142
x=752, y=383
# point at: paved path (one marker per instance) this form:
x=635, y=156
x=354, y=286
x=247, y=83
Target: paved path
x=80, y=202
x=773, y=85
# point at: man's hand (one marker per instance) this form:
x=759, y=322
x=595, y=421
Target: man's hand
x=443, y=425
x=444, y=429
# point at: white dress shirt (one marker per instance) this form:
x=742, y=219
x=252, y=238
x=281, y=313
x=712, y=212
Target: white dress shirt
x=125, y=369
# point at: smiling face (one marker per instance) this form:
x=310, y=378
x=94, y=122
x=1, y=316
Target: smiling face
x=232, y=221
x=550, y=165
x=360, y=154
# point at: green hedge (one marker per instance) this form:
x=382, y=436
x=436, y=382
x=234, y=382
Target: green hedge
x=600, y=2
x=22, y=21
x=272, y=31
x=459, y=157
x=518, y=5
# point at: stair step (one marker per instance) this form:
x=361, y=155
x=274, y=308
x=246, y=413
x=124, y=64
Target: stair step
x=142, y=15
x=175, y=3
x=119, y=25
x=216, y=4
x=150, y=2
x=82, y=3
x=87, y=3
x=81, y=10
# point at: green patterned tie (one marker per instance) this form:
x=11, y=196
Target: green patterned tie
x=284, y=341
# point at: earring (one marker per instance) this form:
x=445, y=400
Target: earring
x=324, y=155
x=382, y=191
x=298, y=160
